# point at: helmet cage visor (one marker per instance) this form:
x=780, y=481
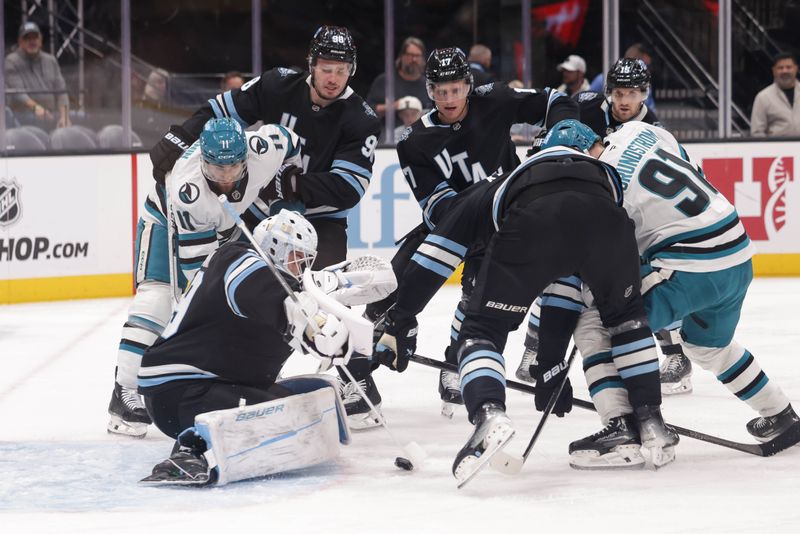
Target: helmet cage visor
x=223, y=174
x=446, y=92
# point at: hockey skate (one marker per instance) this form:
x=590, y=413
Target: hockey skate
x=617, y=446
x=784, y=425
x=493, y=431
x=128, y=414
x=524, y=370
x=657, y=438
x=676, y=375
x=359, y=415
x=185, y=467
x=450, y=392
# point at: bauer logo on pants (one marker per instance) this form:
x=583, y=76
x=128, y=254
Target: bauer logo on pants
x=10, y=207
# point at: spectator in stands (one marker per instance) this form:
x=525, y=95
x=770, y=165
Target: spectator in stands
x=38, y=92
x=409, y=78
x=573, y=74
x=776, y=109
x=635, y=51
x=409, y=109
x=153, y=113
x=232, y=80
x=480, y=60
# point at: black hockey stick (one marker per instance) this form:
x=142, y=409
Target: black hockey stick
x=781, y=443
x=511, y=465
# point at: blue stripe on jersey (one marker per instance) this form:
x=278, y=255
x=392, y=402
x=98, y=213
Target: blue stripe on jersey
x=459, y=315
x=155, y=213
x=431, y=265
x=703, y=255
x=351, y=167
x=230, y=291
x=633, y=346
x=573, y=281
x=292, y=150
x=148, y=382
x=439, y=187
x=639, y=370
x=256, y=212
x=198, y=236
x=427, y=213
x=561, y=302
x=351, y=181
x=648, y=254
x=226, y=96
x=452, y=246
x=533, y=321
x=215, y=108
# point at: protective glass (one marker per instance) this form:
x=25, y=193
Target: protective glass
x=223, y=174
x=444, y=92
x=628, y=95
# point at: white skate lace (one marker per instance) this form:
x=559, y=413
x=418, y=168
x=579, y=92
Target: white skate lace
x=350, y=391
x=674, y=364
x=450, y=380
x=131, y=399
x=528, y=358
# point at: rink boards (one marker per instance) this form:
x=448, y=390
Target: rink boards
x=67, y=223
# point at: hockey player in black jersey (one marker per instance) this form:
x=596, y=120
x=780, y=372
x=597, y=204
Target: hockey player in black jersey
x=557, y=214
x=460, y=143
x=225, y=346
x=338, y=131
x=627, y=88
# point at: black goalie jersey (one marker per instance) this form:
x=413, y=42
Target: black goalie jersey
x=337, y=141
x=229, y=326
x=439, y=160
x=596, y=114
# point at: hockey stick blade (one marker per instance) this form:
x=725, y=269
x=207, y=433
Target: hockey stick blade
x=770, y=448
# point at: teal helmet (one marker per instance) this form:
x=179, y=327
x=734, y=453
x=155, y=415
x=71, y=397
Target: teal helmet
x=572, y=133
x=223, y=147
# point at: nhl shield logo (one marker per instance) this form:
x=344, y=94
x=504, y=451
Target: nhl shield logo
x=10, y=207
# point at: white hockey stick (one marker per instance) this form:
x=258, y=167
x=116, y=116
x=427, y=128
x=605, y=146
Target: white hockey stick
x=172, y=252
x=415, y=455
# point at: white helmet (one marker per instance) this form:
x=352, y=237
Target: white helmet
x=289, y=240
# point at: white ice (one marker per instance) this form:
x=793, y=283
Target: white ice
x=60, y=471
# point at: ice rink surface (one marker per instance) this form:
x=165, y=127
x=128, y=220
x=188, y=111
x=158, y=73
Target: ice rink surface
x=61, y=472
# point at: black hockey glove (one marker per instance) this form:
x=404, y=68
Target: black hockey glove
x=283, y=192
x=547, y=381
x=537, y=142
x=167, y=151
x=398, y=342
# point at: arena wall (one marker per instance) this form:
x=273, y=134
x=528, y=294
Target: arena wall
x=67, y=223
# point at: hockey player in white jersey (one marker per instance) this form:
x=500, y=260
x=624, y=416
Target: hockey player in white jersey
x=696, y=268
x=224, y=160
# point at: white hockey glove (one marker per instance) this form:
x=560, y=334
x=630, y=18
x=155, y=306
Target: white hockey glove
x=315, y=332
x=363, y=280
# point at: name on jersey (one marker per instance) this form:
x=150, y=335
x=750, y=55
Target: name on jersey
x=506, y=307
x=633, y=154
x=446, y=165
x=261, y=412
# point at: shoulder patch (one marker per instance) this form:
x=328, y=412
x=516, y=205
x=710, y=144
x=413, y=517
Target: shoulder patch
x=258, y=144
x=404, y=134
x=284, y=71
x=188, y=193
x=484, y=89
x=368, y=110
x=587, y=95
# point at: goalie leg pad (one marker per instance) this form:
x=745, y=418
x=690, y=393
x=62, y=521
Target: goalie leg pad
x=271, y=437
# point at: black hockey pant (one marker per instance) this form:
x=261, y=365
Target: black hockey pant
x=540, y=241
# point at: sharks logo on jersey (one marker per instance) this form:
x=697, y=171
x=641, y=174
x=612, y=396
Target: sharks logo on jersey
x=258, y=145
x=189, y=193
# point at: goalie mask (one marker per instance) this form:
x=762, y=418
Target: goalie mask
x=289, y=240
x=223, y=147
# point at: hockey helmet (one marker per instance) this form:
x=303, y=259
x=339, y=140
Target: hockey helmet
x=333, y=43
x=572, y=133
x=223, y=147
x=630, y=73
x=447, y=65
x=289, y=240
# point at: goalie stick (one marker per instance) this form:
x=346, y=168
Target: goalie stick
x=769, y=448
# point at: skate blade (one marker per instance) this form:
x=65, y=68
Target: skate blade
x=677, y=388
x=660, y=456
x=620, y=458
x=157, y=480
x=525, y=377
x=472, y=465
x=119, y=427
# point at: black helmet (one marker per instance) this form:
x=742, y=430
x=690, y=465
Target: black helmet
x=447, y=65
x=628, y=72
x=334, y=43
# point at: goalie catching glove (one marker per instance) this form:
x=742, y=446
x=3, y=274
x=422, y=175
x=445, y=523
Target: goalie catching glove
x=363, y=280
x=313, y=331
x=398, y=343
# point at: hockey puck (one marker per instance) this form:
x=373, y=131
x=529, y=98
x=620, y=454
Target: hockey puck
x=403, y=463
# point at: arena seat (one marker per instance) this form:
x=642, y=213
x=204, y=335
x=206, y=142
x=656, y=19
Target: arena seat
x=73, y=138
x=21, y=139
x=111, y=137
x=43, y=136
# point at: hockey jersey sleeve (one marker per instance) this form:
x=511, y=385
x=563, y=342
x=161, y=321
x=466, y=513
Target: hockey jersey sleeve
x=544, y=107
x=432, y=190
x=252, y=292
x=343, y=185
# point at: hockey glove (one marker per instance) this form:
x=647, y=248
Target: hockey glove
x=536, y=146
x=360, y=281
x=315, y=332
x=398, y=343
x=167, y=151
x=547, y=382
x=283, y=192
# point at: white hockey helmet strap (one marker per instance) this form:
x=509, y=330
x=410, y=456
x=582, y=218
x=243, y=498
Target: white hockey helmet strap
x=289, y=240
